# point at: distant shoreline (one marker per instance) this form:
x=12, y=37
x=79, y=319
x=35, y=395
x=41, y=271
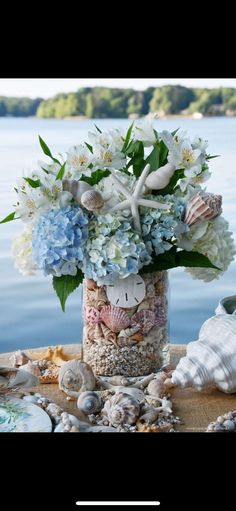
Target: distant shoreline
x=131, y=119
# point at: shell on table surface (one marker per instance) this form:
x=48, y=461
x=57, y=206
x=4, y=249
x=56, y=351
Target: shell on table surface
x=76, y=377
x=13, y=378
x=211, y=360
x=32, y=368
x=76, y=188
x=201, y=208
x=160, y=178
x=92, y=315
x=89, y=402
x=19, y=358
x=92, y=200
x=145, y=318
x=114, y=318
x=56, y=355
x=121, y=409
x=157, y=387
x=119, y=380
x=149, y=416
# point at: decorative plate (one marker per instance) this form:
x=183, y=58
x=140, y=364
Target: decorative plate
x=17, y=415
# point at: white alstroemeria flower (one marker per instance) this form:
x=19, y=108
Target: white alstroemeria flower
x=200, y=143
x=117, y=138
x=173, y=142
x=78, y=160
x=103, y=139
x=143, y=131
x=108, y=158
x=52, y=168
x=22, y=252
x=193, y=178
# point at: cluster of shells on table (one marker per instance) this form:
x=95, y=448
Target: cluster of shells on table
x=125, y=330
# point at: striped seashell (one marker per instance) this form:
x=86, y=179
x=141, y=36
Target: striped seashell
x=92, y=315
x=115, y=318
x=92, y=200
x=145, y=318
x=121, y=409
x=76, y=188
x=108, y=334
x=161, y=318
x=127, y=332
x=98, y=334
x=125, y=341
x=201, y=208
x=90, y=332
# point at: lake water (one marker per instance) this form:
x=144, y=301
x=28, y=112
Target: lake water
x=30, y=313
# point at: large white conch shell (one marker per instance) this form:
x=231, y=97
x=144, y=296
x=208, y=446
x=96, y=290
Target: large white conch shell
x=212, y=359
x=160, y=178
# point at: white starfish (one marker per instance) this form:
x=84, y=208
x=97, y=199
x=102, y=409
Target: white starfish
x=134, y=199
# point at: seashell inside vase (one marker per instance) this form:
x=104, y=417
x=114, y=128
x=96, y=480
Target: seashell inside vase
x=211, y=360
x=127, y=341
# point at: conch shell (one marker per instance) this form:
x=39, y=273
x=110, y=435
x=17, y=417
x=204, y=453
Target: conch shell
x=204, y=207
x=211, y=360
x=76, y=377
x=160, y=178
x=12, y=378
x=121, y=409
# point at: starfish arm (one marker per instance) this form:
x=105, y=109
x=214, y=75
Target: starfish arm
x=135, y=215
x=141, y=181
x=122, y=205
x=120, y=186
x=153, y=204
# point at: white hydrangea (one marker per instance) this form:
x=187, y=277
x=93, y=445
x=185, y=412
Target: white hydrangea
x=22, y=252
x=214, y=240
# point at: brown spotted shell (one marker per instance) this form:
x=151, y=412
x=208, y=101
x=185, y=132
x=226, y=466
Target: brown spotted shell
x=114, y=318
x=92, y=315
x=121, y=409
x=92, y=200
x=201, y=208
x=75, y=377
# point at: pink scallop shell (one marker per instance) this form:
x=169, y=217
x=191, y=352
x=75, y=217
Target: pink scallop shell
x=145, y=318
x=114, y=318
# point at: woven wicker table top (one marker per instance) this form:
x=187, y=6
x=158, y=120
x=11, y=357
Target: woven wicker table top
x=196, y=409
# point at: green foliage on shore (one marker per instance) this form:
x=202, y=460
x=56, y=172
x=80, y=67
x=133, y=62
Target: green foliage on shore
x=103, y=102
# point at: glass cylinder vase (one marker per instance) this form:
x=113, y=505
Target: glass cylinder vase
x=126, y=325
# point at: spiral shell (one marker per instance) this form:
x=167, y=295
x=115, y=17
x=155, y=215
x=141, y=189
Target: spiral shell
x=201, y=208
x=76, y=188
x=145, y=318
x=211, y=360
x=108, y=334
x=76, y=377
x=92, y=200
x=160, y=178
x=115, y=318
x=19, y=358
x=89, y=402
x=121, y=409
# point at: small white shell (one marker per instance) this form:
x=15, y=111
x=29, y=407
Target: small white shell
x=89, y=402
x=18, y=358
x=121, y=409
x=31, y=368
x=160, y=178
x=75, y=377
x=12, y=378
x=92, y=200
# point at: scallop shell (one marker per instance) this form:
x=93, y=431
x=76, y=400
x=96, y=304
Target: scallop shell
x=115, y=318
x=202, y=208
x=19, y=358
x=92, y=315
x=89, y=402
x=76, y=188
x=121, y=409
x=211, y=360
x=76, y=377
x=108, y=334
x=145, y=318
x=92, y=200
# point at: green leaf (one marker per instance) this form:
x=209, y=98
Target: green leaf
x=65, y=285
x=95, y=177
x=89, y=147
x=127, y=138
x=46, y=150
x=163, y=152
x=97, y=128
x=9, y=218
x=173, y=133
x=209, y=157
x=34, y=183
x=153, y=159
x=162, y=262
x=61, y=172
x=194, y=259
x=133, y=147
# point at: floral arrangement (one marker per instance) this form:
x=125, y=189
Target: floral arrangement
x=120, y=204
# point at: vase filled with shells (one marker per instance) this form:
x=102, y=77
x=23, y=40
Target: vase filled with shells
x=126, y=325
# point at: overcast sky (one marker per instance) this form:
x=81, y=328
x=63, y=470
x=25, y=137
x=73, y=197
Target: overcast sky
x=47, y=87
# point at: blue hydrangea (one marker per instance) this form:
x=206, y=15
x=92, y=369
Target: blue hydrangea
x=113, y=250
x=58, y=240
x=160, y=227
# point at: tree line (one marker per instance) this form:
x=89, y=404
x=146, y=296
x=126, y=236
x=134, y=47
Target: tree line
x=103, y=102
